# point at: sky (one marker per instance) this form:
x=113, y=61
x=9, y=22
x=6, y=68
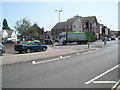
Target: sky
x=43, y=13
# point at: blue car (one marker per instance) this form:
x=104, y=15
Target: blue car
x=29, y=46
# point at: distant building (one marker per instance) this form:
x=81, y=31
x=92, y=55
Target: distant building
x=113, y=32
x=47, y=35
x=8, y=35
x=35, y=33
x=40, y=32
x=76, y=24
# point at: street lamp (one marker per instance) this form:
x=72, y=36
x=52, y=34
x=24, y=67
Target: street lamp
x=87, y=27
x=58, y=13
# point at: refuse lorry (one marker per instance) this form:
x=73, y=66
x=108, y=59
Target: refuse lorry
x=78, y=37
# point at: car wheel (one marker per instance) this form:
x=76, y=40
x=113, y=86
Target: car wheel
x=20, y=51
x=1, y=53
x=44, y=49
x=28, y=50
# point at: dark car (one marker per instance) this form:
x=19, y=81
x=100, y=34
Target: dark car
x=29, y=46
x=2, y=49
x=106, y=39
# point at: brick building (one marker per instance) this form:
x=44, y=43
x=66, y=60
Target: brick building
x=76, y=24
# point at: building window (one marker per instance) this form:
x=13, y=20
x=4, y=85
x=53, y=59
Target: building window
x=74, y=26
x=65, y=27
x=69, y=27
x=79, y=26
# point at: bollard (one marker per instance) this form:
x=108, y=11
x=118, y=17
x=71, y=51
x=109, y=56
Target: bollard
x=105, y=42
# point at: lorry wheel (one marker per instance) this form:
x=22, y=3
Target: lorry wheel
x=78, y=43
x=64, y=43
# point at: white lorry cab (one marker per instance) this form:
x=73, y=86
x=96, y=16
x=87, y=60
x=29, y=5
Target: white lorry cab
x=62, y=37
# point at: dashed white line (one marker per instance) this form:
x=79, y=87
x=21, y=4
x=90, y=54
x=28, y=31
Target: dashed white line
x=85, y=53
x=91, y=51
x=34, y=62
x=61, y=57
x=103, y=82
x=90, y=81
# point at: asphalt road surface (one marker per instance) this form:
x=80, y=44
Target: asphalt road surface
x=97, y=69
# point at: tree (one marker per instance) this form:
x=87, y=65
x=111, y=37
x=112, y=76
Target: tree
x=5, y=25
x=33, y=32
x=23, y=27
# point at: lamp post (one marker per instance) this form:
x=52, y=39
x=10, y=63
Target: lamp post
x=87, y=27
x=58, y=13
x=59, y=17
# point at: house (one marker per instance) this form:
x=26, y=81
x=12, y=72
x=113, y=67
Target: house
x=76, y=24
x=37, y=33
x=93, y=25
x=8, y=35
x=113, y=32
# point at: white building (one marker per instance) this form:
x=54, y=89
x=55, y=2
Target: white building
x=8, y=35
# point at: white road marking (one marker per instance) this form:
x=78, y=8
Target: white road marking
x=90, y=81
x=66, y=57
x=85, y=53
x=61, y=57
x=104, y=82
x=34, y=62
x=78, y=53
x=91, y=51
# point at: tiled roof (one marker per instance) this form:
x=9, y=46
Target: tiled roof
x=59, y=25
x=9, y=32
x=70, y=21
x=91, y=19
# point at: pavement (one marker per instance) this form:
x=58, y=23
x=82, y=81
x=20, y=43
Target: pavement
x=12, y=57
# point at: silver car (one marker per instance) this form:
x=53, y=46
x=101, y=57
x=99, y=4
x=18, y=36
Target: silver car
x=2, y=49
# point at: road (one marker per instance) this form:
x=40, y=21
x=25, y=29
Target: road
x=71, y=72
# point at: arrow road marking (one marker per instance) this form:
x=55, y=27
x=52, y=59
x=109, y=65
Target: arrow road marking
x=92, y=80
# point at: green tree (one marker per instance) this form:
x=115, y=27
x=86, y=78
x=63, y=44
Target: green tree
x=33, y=32
x=5, y=25
x=23, y=27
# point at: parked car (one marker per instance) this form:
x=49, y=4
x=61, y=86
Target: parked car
x=106, y=38
x=2, y=49
x=118, y=37
x=113, y=37
x=29, y=46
